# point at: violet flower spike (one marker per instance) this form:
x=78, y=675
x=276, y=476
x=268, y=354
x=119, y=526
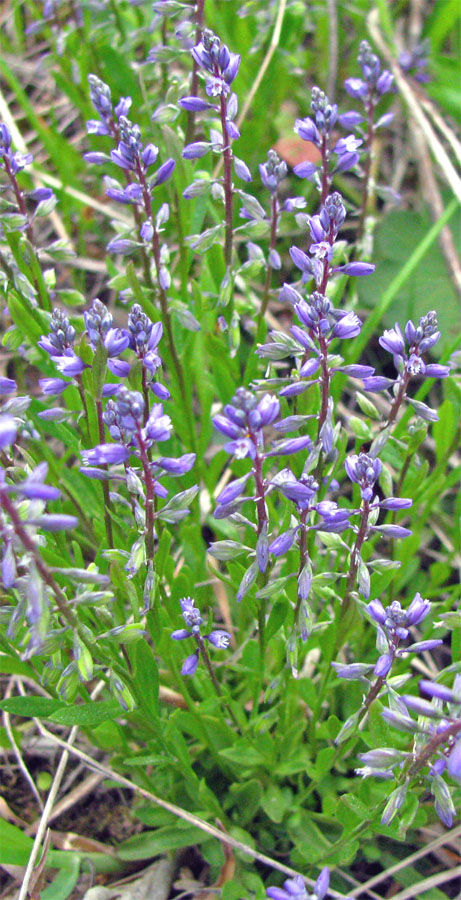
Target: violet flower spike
x=193, y=619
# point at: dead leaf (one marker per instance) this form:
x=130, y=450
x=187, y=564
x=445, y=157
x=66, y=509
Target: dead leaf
x=294, y=151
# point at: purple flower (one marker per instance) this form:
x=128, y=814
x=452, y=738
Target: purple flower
x=356, y=268
x=119, y=367
x=105, y=454
x=196, y=150
x=177, y=466
x=9, y=160
x=190, y=664
x=158, y=426
x=377, y=383
x=392, y=340
x=8, y=431
x=36, y=490
x=70, y=364
x=295, y=889
x=273, y=171
x=292, y=445
x=52, y=386
x=220, y=639
x=241, y=170
x=7, y=386
x=54, y=522
x=193, y=619
x=365, y=471
x=61, y=337
x=384, y=665
x=348, y=326
x=195, y=104
x=441, y=692
x=408, y=350
x=308, y=131
x=283, y=543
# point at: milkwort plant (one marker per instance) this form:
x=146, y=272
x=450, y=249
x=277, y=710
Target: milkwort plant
x=211, y=505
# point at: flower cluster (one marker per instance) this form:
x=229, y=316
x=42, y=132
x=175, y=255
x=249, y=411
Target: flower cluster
x=141, y=336
x=221, y=67
x=135, y=159
x=59, y=344
x=11, y=161
x=310, y=344
x=365, y=470
x=295, y=888
x=318, y=130
x=324, y=229
x=374, y=83
x=144, y=338
x=193, y=619
x=108, y=122
x=415, y=61
x=393, y=626
x=243, y=420
x=125, y=417
x=436, y=749
x=407, y=351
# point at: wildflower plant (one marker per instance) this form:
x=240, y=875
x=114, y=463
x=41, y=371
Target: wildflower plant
x=226, y=481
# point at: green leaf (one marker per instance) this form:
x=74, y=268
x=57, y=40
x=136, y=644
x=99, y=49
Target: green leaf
x=39, y=707
x=15, y=847
x=12, y=665
x=150, y=843
x=146, y=679
x=247, y=798
x=276, y=802
x=87, y=714
x=276, y=618
x=64, y=882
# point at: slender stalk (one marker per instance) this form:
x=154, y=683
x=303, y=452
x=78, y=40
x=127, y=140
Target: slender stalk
x=105, y=484
x=207, y=661
x=150, y=496
x=199, y=19
x=215, y=682
x=145, y=393
x=303, y=556
x=81, y=391
x=354, y=564
x=19, y=199
x=435, y=742
x=398, y=400
x=262, y=527
x=228, y=189
x=40, y=288
x=341, y=631
x=325, y=385
x=326, y=179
